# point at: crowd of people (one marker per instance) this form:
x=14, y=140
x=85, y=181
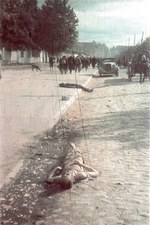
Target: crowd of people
x=76, y=63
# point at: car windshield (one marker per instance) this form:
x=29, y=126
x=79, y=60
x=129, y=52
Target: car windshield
x=108, y=60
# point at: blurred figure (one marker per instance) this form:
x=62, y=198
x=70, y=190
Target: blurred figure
x=71, y=64
x=63, y=65
x=93, y=62
x=51, y=62
x=77, y=64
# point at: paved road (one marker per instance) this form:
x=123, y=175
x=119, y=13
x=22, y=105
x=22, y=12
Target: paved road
x=31, y=103
x=115, y=141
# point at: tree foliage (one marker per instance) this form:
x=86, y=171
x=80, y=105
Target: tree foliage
x=138, y=49
x=57, y=30
x=18, y=23
x=25, y=26
x=144, y=47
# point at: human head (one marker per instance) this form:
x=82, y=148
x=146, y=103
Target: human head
x=66, y=182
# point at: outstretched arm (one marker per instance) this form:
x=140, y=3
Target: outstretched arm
x=54, y=171
x=73, y=146
x=91, y=171
x=52, y=178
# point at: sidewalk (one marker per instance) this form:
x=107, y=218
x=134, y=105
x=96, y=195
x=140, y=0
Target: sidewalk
x=31, y=103
x=110, y=126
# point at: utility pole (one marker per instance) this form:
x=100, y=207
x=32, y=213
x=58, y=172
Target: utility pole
x=142, y=37
x=134, y=39
x=128, y=42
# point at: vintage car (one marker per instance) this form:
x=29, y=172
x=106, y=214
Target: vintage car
x=108, y=66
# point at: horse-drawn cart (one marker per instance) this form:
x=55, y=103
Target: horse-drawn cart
x=139, y=65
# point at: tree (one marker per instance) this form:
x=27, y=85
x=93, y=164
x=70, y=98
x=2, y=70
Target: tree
x=144, y=47
x=18, y=24
x=138, y=49
x=25, y=26
x=57, y=27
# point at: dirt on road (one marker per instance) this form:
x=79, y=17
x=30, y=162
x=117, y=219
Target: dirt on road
x=111, y=127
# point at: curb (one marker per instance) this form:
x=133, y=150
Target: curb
x=69, y=102
x=12, y=175
x=10, y=178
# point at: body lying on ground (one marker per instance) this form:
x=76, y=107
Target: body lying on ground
x=73, y=170
x=69, y=85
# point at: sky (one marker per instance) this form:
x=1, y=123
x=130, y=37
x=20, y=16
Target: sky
x=113, y=22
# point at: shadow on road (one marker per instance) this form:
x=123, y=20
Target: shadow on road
x=130, y=129
x=103, y=76
x=118, y=82
x=115, y=82
x=122, y=95
x=51, y=189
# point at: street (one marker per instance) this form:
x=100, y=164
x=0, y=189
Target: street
x=111, y=127
x=31, y=103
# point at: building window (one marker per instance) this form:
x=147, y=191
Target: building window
x=22, y=54
x=35, y=53
x=28, y=54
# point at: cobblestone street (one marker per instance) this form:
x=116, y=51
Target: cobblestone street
x=116, y=127
x=111, y=127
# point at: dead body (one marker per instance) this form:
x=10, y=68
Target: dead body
x=73, y=170
x=69, y=85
